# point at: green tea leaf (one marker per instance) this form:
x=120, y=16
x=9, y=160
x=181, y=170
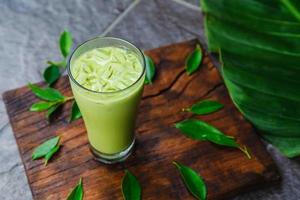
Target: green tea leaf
x=193, y=61
x=205, y=107
x=52, y=110
x=194, y=183
x=75, y=114
x=77, y=192
x=65, y=43
x=200, y=130
x=48, y=94
x=41, y=106
x=43, y=149
x=131, y=188
x=150, y=70
x=51, y=74
x=49, y=155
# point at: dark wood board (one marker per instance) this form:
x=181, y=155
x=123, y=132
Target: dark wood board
x=226, y=171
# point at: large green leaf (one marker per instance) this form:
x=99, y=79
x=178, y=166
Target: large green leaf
x=259, y=45
x=254, y=16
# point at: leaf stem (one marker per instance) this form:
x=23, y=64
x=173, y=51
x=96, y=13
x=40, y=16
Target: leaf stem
x=61, y=64
x=68, y=98
x=245, y=151
x=185, y=109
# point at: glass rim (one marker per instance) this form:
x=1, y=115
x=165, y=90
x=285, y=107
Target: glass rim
x=113, y=38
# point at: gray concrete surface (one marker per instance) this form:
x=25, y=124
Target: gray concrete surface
x=29, y=30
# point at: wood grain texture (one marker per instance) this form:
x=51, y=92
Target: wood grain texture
x=226, y=171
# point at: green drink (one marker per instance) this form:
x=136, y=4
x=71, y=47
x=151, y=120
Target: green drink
x=107, y=78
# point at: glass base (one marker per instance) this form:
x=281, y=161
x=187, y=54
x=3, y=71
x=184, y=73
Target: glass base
x=112, y=158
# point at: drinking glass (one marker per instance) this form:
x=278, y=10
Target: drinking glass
x=109, y=117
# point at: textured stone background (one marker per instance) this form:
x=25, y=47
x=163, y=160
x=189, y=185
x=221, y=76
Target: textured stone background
x=29, y=30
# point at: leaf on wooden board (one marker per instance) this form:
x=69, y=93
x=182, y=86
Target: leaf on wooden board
x=52, y=110
x=44, y=148
x=150, y=70
x=77, y=192
x=194, y=183
x=75, y=112
x=202, y=131
x=193, y=61
x=48, y=94
x=131, y=188
x=205, y=107
x=41, y=106
x=50, y=154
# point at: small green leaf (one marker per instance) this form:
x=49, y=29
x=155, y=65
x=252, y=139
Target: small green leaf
x=205, y=107
x=77, y=192
x=51, y=74
x=75, y=114
x=49, y=155
x=150, y=70
x=43, y=149
x=193, y=61
x=65, y=43
x=41, y=106
x=48, y=94
x=194, y=183
x=52, y=109
x=200, y=130
x=131, y=188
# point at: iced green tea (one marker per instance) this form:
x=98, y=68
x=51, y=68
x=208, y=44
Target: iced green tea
x=107, y=79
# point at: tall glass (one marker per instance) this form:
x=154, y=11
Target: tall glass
x=109, y=117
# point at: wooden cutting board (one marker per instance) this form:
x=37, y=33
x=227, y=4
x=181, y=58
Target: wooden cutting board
x=226, y=171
